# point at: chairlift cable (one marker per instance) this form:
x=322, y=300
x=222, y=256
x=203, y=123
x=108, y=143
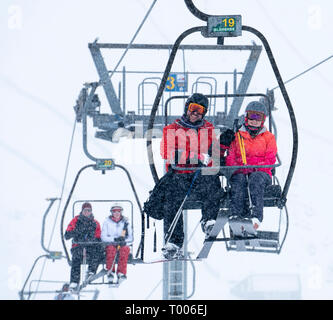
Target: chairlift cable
x=129, y=45
x=61, y=195
x=305, y=71
x=153, y=290
x=64, y=181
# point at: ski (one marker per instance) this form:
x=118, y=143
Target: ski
x=170, y=260
x=208, y=243
x=94, y=277
x=114, y=284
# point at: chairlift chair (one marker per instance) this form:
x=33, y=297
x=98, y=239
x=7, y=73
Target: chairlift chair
x=275, y=195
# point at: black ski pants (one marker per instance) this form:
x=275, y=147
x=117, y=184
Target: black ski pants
x=258, y=181
x=94, y=255
x=206, y=188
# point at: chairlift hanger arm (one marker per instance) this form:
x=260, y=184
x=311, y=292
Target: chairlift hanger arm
x=195, y=11
x=159, y=95
x=65, y=208
x=141, y=246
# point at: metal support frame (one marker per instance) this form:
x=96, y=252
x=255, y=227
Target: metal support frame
x=175, y=273
x=141, y=94
x=243, y=87
x=105, y=79
x=108, y=123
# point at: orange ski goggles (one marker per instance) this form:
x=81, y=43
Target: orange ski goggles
x=194, y=107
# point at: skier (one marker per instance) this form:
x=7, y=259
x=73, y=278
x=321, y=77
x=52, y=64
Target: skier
x=65, y=293
x=116, y=231
x=253, y=145
x=86, y=234
x=189, y=142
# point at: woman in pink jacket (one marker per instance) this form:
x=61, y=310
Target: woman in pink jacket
x=253, y=145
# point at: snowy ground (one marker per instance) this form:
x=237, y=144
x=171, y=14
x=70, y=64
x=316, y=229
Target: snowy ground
x=44, y=62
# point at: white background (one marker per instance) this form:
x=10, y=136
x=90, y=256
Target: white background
x=45, y=60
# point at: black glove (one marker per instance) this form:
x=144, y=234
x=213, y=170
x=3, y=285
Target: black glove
x=120, y=241
x=227, y=137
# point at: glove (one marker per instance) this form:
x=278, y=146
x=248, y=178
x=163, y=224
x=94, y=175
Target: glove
x=120, y=241
x=227, y=137
x=204, y=158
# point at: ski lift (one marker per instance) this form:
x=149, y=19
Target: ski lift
x=105, y=206
x=101, y=165
x=220, y=27
x=141, y=246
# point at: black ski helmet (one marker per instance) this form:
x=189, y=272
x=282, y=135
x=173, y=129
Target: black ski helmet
x=198, y=98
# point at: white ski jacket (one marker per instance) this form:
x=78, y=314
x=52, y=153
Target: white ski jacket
x=112, y=230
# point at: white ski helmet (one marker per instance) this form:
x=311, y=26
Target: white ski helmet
x=116, y=206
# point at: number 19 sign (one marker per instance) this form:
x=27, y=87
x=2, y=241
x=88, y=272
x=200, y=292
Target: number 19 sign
x=224, y=26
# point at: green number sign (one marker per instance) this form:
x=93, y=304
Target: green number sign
x=224, y=26
x=104, y=164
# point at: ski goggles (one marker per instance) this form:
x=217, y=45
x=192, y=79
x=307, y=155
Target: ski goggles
x=198, y=108
x=254, y=115
x=118, y=209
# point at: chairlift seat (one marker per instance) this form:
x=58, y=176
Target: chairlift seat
x=192, y=205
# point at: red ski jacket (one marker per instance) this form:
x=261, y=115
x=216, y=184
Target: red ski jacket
x=179, y=144
x=83, y=229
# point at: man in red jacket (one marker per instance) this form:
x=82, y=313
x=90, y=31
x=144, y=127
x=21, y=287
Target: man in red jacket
x=189, y=142
x=86, y=233
x=253, y=145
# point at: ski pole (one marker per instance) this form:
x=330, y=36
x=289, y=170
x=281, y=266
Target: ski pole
x=249, y=195
x=123, y=233
x=176, y=218
x=243, y=153
x=115, y=258
x=84, y=260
